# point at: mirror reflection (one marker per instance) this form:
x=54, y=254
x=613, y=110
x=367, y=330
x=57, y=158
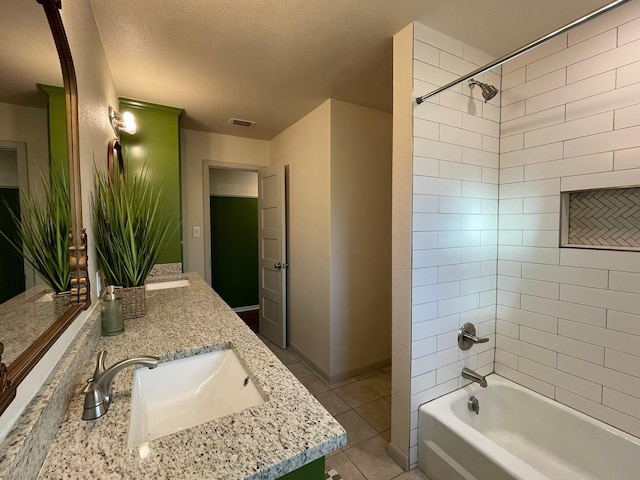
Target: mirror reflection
x=32, y=147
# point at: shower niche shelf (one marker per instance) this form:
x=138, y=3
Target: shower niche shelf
x=606, y=218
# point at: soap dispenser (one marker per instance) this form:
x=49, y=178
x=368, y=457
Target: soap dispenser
x=111, y=313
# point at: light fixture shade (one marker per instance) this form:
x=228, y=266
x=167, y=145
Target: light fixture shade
x=129, y=123
x=122, y=122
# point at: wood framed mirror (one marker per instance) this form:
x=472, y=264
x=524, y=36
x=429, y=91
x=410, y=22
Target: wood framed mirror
x=16, y=369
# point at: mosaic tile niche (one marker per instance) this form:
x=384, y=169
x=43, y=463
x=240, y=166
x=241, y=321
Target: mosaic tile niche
x=606, y=218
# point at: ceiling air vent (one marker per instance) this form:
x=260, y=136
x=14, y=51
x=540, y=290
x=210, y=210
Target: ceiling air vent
x=242, y=123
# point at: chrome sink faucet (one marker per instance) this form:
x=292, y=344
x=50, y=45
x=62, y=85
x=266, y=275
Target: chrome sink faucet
x=97, y=391
x=476, y=377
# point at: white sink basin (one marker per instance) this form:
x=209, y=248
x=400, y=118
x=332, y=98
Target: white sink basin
x=183, y=393
x=163, y=285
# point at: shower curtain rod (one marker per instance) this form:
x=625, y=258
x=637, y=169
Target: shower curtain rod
x=521, y=50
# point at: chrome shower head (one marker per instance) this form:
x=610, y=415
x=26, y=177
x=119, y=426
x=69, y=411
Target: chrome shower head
x=488, y=91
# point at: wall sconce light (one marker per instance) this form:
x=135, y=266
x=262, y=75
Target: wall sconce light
x=122, y=122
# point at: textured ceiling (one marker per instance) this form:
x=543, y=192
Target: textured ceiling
x=273, y=61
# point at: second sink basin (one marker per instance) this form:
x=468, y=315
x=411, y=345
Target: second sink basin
x=168, y=284
x=183, y=393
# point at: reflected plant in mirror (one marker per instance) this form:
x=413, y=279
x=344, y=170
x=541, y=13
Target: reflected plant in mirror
x=40, y=234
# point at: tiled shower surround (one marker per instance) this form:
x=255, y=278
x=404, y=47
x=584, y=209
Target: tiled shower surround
x=455, y=219
x=566, y=322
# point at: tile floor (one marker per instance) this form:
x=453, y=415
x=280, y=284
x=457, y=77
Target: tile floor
x=362, y=405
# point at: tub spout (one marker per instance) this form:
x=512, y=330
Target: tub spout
x=475, y=377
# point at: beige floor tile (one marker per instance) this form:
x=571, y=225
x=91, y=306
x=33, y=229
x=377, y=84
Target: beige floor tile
x=356, y=394
x=345, y=467
x=299, y=370
x=344, y=382
x=314, y=384
x=286, y=357
x=332, y=402
x=372, y=459
x=370, y=373
x=377, y=414
x=272, y=346
x=387, y=435
x=381, y=383
x=415, y=474
x=357, y=429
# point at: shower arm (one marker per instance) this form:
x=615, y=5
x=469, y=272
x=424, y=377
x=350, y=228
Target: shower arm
x=521, y=50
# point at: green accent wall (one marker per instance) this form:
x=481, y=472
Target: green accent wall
x=156, y=146
x=234, y=249
x=11, y=264
x=310, y=471
x=57, y=112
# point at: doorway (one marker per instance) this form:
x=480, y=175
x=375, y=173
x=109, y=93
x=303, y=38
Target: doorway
x=230, y=190
x=12, y=278
x=233, y=224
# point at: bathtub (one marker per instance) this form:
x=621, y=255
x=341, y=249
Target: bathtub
x=519, y=434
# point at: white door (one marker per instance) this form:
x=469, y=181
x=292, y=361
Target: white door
x=272, y=255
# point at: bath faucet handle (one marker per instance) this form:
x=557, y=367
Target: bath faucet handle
x=101, y=365
x=467, y=336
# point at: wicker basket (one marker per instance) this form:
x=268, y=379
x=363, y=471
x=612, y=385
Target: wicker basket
x=133, y=302
x=61, y=302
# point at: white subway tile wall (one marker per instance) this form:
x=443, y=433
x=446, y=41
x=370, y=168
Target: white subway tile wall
x=455, y=220
x=568, y=320
x=487, y=180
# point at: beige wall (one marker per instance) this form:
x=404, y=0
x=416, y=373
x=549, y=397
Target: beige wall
x=96, y=92
x=28, y=125
x=305, y=147
x=360, y=238
x=339, y=159
x=233, y=183
x=401, y=206
x=215, y=150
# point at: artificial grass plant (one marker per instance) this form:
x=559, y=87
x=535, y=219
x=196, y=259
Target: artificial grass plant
x=130, y=231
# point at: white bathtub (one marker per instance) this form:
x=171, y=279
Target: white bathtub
x=519, y=434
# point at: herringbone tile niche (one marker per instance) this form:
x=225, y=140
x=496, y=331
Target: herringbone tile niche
x=608, y=218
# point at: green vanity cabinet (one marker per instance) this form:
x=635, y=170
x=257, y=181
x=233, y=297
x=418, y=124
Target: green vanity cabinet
x=311, y=471
x=156, y=146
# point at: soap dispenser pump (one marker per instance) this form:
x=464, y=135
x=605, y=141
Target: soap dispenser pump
x=111, y=313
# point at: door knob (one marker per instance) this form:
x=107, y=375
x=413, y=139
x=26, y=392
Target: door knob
x=277, y=266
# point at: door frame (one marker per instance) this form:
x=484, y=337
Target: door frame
x=206, y=233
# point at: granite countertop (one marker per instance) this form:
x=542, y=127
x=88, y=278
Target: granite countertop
x=263, y=442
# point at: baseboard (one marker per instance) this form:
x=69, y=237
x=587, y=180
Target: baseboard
x=400, y=458
x=246, y=309
x=336, y=377
x=352, y=372
x=309, y=363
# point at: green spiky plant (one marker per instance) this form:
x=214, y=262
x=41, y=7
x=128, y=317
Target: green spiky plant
x=42, y=231
x=130, y=231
